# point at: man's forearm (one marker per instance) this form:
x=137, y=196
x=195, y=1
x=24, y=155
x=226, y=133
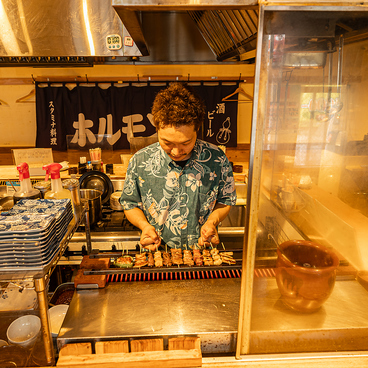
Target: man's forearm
x=219, y=213
x=136, y=217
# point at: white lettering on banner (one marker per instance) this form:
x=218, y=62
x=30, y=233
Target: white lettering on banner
x=53, y=131
x=210, y=118
x=219, y=109
x=111, y=138
x=132, y=126
x=82, y=132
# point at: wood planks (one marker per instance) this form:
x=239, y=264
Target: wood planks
x=183, y=352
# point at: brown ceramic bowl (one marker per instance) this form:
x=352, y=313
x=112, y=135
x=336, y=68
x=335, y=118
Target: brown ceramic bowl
x=305, y=274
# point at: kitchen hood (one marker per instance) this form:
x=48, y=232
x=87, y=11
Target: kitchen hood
x=87, y=32
x=67, y=32
x=229, y=28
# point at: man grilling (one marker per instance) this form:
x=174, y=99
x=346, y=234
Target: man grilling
x=178, y=190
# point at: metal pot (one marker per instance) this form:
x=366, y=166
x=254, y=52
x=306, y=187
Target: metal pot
x=114, y=201
x=93, y=196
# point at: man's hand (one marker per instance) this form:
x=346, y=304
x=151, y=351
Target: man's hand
x=149, y=238
x=208, y=234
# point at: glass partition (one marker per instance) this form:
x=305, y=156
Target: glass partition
x=310, y=285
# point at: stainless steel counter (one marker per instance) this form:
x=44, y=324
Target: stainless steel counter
x=340, y=324
x=208, y=308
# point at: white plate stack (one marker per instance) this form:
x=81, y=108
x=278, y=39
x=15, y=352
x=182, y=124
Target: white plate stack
x=30, y=233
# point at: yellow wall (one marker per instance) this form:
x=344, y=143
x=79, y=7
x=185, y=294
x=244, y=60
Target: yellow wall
x=18, y=120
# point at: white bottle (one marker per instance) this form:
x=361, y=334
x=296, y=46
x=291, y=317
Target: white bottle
x=57, y=191
x=26, y=190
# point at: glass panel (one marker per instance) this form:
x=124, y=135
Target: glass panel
x=309, y=293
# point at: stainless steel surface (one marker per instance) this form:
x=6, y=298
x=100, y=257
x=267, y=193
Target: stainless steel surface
x=160, y=308
x=93, y=198
x=118, y=236
x=182, y=4
x=73, y=186
x=60, y=29
x=170, y=37
x=228, y=27
x=229, y=33
x=114, y=201
x=341, y=323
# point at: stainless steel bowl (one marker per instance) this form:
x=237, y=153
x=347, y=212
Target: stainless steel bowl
x=114, y=201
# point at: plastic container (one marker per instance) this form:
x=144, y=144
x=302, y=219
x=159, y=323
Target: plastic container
x=26, y=190
x=57, y=191
x=57, y=315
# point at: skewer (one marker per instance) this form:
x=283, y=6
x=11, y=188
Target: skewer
x=223, y=246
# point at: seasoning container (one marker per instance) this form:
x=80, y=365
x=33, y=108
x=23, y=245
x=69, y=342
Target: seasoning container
x=96, y=165
x=82, y=165
x=43, y=187
x=73, y=171
x=238, y=168
x=57, y=191
x=73, y=186
x=110, y=169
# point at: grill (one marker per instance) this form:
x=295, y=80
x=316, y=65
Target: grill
x=175, y=275
x=181, y=272
x=185, y=273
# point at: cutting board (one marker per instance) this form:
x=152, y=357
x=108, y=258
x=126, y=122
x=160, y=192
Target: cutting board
x=92, y=280
x=94, y=263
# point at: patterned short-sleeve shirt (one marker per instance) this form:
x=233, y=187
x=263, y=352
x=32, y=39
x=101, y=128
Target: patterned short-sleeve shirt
x=177, y=201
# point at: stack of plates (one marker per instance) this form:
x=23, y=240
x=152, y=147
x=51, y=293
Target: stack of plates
x=30, y=233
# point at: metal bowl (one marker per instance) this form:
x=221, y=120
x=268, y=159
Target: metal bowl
x=305, y=274
x=114, y=201
x=6, y=203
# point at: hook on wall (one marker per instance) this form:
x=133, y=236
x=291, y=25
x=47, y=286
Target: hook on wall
x=138, y=78
x=33, y=80
x=86, y=78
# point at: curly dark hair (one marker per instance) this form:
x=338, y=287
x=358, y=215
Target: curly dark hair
x=178, y=105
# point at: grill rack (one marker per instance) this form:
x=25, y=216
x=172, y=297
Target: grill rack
x=167, y=275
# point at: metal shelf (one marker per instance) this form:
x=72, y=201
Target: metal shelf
x=41, y=275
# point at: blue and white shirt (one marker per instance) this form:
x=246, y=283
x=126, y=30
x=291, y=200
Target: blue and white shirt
x=177, y=201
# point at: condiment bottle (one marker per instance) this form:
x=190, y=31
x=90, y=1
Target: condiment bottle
x=57, y=191
x=82, y=165
x=26, y=190
x=72, y=185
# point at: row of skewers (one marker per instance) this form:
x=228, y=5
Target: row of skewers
x=177, y=257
